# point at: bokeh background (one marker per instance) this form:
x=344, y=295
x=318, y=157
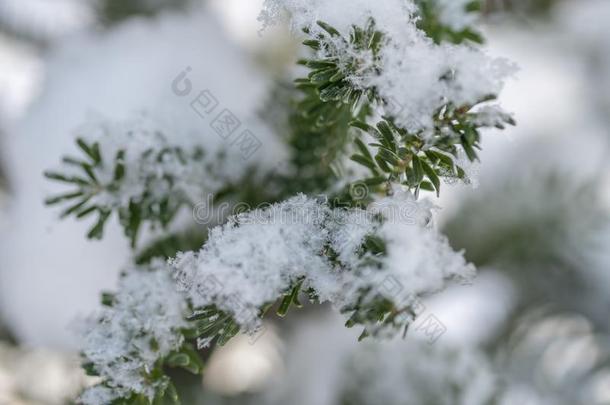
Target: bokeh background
x=535, y=324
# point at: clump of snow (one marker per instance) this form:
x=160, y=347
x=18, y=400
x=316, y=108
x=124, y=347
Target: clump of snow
x=414, y=73
x=422, y=77
x=251, y=261
x=125, y=341
x=418, y=256
x=257, y=256
x=491, y=115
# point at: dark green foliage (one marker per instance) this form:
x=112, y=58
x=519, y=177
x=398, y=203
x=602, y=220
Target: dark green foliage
x=145, y=208
x=167, y=395
x=416, y=161
x=318, y=125
x=319, y=135
x=209, y=324
x=330, y=74
x=291, y=298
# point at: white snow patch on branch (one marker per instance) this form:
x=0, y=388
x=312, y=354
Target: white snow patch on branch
x=258, y=256
x=415, y=74
x=126, y=340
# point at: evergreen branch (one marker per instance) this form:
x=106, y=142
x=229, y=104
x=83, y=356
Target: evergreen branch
x=419, y=162
x=319, y=120
x=262, y=259
x=352, y=244
x=418, y=159
x=144, y=180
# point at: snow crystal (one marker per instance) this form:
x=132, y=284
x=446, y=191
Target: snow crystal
x=126, y=340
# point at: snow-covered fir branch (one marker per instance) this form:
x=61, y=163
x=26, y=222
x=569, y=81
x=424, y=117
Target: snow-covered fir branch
x=371, y=265
x=140, y=169
x=421, y=113
x=420, y=98
x=413, y=75
x=403, y=80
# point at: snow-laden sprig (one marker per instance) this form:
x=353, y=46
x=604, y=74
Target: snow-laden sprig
x=126, y=342
x=414, y=76
x=370, y=264
x=140, y=170
x=423, y=98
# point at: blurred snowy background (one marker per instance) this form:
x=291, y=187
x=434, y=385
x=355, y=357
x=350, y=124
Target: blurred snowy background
x=536, y=322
